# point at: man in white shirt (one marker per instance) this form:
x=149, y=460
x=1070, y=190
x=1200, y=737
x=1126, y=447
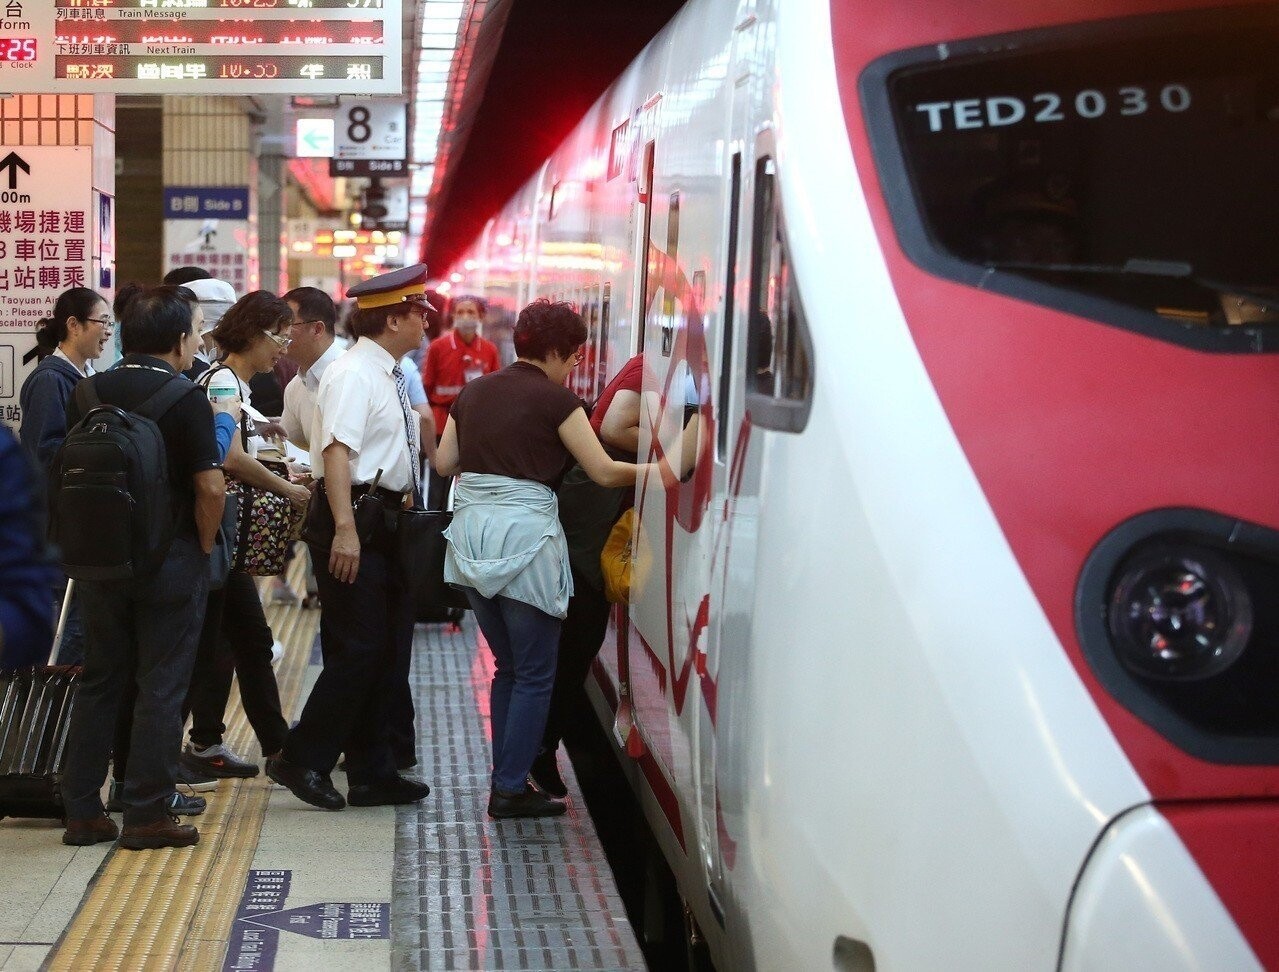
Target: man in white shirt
x=313, y=349
x=364, y=446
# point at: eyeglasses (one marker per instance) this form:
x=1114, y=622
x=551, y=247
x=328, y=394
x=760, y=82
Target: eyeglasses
x=301, y=323
x=577, y=357
x=280, y=340
x=104, y=321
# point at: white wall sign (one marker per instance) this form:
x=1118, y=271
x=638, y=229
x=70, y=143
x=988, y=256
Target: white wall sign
x=314, y=138
x=221, y=246
x=376, y=128
x=47, y=221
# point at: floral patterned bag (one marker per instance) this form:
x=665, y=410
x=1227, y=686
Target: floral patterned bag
x=268, y=525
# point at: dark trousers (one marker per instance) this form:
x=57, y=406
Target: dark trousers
x=400, y=714
x=236, y=640
x=364, y=627
x=581, y=636
x=144, y=637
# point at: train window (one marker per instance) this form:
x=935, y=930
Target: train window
x=1123, y=170
x=778, y=353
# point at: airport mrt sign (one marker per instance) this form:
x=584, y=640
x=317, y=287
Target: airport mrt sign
x=206, y=47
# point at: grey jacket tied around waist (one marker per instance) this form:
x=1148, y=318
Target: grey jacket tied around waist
x=506, y=539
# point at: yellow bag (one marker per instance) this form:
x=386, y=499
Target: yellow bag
x=617, y=559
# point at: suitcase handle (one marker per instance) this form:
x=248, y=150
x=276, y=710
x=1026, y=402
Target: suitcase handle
x=62, y=622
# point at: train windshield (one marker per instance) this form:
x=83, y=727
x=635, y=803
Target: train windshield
x=1135, y=162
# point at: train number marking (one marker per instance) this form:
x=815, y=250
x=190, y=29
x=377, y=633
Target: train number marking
x=1000, y=111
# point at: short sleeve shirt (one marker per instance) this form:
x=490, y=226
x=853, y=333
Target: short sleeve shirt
x=190, y=443
x=630, y=378
x=359, y=406
x=508, y=425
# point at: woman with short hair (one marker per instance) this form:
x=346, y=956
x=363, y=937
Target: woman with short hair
x=511, y=435
x=253, y=334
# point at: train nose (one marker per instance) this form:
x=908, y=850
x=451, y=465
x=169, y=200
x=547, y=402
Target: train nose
x=1179, y=886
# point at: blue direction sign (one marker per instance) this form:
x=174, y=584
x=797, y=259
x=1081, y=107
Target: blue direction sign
x=331, y=920
x=206, y=202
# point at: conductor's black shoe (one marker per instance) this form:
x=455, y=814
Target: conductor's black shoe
x=389, y=792
x=307, y=785
x=530, y=803
x=546, y=775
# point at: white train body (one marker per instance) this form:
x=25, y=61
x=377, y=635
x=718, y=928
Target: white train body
x=850, y=692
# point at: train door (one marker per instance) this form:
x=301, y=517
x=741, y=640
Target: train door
x=641, y=258
x=727, y=612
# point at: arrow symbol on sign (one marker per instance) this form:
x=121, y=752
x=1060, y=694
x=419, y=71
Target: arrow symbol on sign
x=13, y=162
x=313, y=140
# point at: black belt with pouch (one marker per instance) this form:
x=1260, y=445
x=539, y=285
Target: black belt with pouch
x=376, y=512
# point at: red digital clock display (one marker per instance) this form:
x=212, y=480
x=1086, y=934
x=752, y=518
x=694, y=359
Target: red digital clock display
x=17, y=49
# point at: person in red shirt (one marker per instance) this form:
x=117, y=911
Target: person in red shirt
x=452, y=360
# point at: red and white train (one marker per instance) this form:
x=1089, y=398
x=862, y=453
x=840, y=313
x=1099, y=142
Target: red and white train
x=960, y=648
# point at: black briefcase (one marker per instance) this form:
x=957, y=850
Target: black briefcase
x=35, y=714
x=421, y=545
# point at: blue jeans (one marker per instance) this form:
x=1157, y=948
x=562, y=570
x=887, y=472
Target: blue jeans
x=525, y=643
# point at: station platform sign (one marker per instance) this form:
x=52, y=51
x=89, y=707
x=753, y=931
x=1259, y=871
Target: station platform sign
x=296, y=47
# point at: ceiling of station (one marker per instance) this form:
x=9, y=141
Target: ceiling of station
x=524, y=73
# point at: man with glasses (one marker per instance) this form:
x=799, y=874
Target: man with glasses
x=314, y=347
x=364, y=448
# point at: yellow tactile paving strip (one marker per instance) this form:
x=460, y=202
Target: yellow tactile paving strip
x=173, y=909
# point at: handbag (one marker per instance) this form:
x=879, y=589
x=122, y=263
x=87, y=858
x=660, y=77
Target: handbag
x=421, y=546
x=621, y=560
x=267, y=526
x=223, y=553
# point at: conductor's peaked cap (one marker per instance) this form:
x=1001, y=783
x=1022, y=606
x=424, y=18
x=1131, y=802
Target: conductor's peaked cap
x=396, y=287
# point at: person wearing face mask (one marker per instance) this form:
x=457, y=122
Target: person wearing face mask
x=454, y=359
x=77, y=333
x=214, y=298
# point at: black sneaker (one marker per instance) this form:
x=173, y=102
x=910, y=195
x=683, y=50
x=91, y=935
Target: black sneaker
x=220, y=762
x=186, y=806
x=545, y=774
x=530, y=803
x=196, y=780
x=390, y=792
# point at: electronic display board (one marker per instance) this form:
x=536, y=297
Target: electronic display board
x=294, y=47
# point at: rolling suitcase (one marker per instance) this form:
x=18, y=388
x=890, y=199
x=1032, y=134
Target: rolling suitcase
x=35, y=713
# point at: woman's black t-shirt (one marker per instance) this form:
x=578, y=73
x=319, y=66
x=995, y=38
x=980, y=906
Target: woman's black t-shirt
x=508, y=424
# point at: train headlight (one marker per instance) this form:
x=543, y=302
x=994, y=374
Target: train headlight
x=1179, y=613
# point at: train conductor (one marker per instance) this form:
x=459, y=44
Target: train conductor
x=364, y=448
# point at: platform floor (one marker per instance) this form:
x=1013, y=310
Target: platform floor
x=277, y=885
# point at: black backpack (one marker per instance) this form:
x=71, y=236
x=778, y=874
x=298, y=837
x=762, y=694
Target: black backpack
x=111, y=504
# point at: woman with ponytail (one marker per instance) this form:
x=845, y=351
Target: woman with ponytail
x=77, y=333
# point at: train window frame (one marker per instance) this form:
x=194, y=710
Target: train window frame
x=921, y=247
x=781, y=407
x=727, y=349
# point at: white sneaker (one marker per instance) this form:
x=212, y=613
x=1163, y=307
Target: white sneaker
x=282, y=592
x=277, y=652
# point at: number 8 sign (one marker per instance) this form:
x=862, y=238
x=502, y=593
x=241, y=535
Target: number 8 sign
x=371, y=128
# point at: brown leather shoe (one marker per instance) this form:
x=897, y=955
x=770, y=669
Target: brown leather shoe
x=95, y=830
x=163, y=833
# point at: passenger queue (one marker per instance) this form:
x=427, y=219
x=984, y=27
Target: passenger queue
x=174, y=610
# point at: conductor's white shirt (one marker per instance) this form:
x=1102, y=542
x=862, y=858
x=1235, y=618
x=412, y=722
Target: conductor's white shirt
x=358, y=405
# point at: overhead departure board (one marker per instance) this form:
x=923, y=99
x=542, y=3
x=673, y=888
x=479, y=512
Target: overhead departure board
x=204, y=47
